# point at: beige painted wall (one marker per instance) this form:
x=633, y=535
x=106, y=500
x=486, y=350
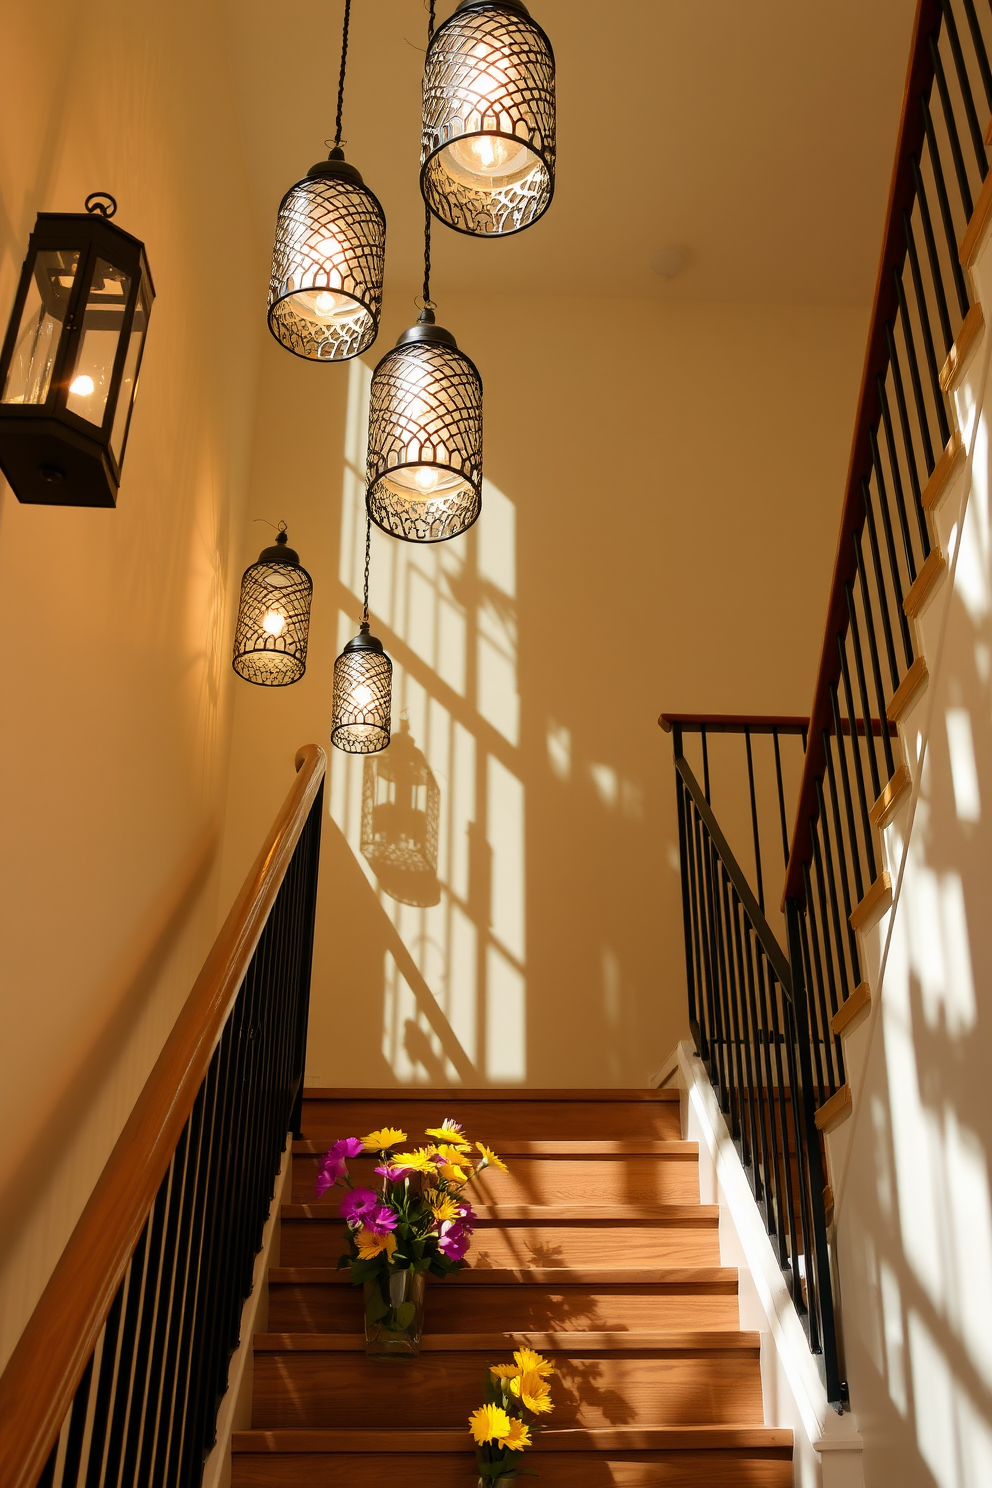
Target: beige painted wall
x=115, y=696
x=663, y=489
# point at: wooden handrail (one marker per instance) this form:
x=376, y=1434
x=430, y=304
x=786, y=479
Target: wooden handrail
x=45, y=1368
x=733, y=723
x=901, y=196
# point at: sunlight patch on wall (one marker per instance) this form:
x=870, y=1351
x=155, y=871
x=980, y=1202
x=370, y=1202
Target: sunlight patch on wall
x=964, y=773
x=455, y=985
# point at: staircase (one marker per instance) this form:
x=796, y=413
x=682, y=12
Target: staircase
x=593, y=1249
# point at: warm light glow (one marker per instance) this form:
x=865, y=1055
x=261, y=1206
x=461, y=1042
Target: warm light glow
x=427, y=477
x=273, y=623
x=82, y=385
x=361, y=696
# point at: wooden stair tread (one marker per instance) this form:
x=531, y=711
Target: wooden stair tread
x=550, y=1439
x=724, y=1277
x=587, y=1149
x=456, y=1093
x=606, y=1214
x=571, y=1343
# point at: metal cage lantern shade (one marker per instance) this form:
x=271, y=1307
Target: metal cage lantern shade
x=425, y=437
x=270, y=641
x=488, y=150
x=401, y=809
x=325, y=290
x=363, y=684
x=71, y=357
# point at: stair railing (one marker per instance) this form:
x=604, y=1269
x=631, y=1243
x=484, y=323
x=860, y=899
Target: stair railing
x=748, y=1028
x=117, y=1378
x=905, y=451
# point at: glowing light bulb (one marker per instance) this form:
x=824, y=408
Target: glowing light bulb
x=273, y=623
x=426, y=477
x=361, y=695
x=331, y=251
x=82, y=385
x=325, y=303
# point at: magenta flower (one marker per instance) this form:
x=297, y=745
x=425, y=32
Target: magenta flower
x=346, y=1147
x=394, y=1174
x=381, y=1220
x=358, y=1205
x=452, y=1240
x=331, y=1172
x=466, y=1216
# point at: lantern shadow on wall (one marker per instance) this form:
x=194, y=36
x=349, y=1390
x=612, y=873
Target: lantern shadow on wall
x=401, y=808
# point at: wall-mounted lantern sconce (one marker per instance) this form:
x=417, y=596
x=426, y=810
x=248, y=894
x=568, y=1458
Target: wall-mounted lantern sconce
x=70, y=360
x=270, y=641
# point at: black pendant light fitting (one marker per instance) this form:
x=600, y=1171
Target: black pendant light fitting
x=424, y=467
x=363, y=683
x=70, y=360
x=270, y=638
x=325, y=289
x=488, y=144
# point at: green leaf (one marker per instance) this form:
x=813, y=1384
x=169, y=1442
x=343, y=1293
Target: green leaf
x=376, y=1307
x=405, y=1314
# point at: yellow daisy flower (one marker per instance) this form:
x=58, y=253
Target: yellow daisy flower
x=490, y=1423
x=504, y=1371
x=527, y=1362
x=443, y=1207
x=416, y=1162
x=489, y=1158
x=519, y=1436
x=453, y=1173
x=534, y=1392
x=369, y=1245
x=379, y=1141
x=449, y=1133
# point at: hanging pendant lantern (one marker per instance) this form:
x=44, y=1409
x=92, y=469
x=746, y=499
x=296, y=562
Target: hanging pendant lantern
x=363, y=682
x=401, y=809
x=270, y=640
x=425, y=437
x=70, y=360
x=488, y=149
x=363, y=685
x=325, y=289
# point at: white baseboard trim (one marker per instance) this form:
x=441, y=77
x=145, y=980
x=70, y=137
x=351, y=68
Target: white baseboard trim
x=827, y=1445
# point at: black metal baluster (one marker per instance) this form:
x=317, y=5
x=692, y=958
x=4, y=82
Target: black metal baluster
x=854, y=633
x=170, y=1258
x=686, y=898
x=760, y=1077
x=981, y=55
x=873, y=654
x=706, y=766
x=784, y=1094
x=817, y=981
x=876, y=560
x=742, y=1034
x=698, y=940
x=946, y=217
x=842, y=853
x=925, y=331
x=907, y=437
x=754, y=820
x=142, y=1347
x=932, y=256
x=104, y=1391
x=859, y=773
x=781, y=1160
x=897, y=486
x=709, y=947
x=890, y=545
x=923, y=421
x=848, y=798
x=122, y=1384
x=77, y=1426
x=47, y=1478
x=733, y=1053
x=950, y=124
x=781, y=798
x=833, y=953
x=964, y=83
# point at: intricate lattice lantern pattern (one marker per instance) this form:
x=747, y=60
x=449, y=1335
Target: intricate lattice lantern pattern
x=425, y=437
x=401, y=808
x=325, y=290
x=363, y=682
x=488, y=150
x=270, y=641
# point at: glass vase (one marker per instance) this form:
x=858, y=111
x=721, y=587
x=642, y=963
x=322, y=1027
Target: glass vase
x=394, y=1314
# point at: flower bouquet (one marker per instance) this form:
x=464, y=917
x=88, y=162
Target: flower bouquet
x=500, y=1427
x=418, y=1223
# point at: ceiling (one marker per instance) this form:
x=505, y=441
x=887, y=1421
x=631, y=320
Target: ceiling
x=757, y=137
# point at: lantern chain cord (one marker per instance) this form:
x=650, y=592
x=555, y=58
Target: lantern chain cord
x=428, y=302
x=344, y=64
x=368, y=554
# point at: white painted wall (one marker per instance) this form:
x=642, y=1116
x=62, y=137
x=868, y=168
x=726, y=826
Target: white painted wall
x=910, y=1168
